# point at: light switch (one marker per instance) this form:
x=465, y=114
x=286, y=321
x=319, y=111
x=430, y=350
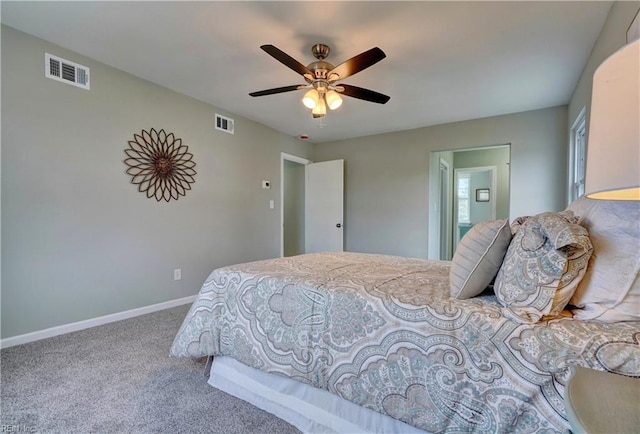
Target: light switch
x=271, y=204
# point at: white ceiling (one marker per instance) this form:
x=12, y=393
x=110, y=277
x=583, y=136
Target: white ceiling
x=446, y=61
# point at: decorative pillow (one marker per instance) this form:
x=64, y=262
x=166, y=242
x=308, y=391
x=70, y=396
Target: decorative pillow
x=478, y=258
x=544, y=263
x=515, y=225
x=610, y=290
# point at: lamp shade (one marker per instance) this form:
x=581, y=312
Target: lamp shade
x=334, y=100
x=613, y=146
x=310, y=99
x=320, y=109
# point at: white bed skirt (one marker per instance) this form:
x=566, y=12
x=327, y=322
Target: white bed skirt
x=308, y=408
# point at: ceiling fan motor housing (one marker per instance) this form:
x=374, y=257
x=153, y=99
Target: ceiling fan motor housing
x=320, y=68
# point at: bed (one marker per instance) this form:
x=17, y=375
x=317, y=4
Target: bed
x=353, y=342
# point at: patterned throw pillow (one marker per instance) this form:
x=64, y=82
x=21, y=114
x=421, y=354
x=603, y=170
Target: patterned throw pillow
x=478, y=258
x=545, y=261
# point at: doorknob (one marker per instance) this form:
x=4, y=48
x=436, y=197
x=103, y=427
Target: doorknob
x=338, y=225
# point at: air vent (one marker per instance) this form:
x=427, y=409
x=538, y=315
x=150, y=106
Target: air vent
x=224, y=124
x=66, y=71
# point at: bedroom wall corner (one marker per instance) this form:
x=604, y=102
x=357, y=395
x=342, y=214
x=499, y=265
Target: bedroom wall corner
x=78, y=240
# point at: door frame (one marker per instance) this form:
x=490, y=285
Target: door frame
x=445, y=208
x=284, y=156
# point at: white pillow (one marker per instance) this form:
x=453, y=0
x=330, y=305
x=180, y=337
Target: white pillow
x=478, y=258
x=610, y=289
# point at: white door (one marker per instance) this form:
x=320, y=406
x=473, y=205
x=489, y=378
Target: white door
x=324, y=206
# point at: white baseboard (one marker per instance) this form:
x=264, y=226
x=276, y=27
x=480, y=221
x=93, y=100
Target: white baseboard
x=93, y=322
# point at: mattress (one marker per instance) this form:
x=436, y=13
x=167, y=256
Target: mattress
x=308, y=408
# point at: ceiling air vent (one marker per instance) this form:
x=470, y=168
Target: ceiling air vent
x=224, y=124
x=66, y=71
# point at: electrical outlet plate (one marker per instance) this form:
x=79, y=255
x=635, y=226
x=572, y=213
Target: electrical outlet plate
x=177, y=274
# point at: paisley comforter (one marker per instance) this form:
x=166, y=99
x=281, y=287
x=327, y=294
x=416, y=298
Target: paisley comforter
x=382, y=332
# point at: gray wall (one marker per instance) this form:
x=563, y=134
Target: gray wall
x=386, y=176
x=78, y=240
x=479, y=211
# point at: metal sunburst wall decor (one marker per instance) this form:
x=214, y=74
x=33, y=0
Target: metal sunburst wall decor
x=160, y=165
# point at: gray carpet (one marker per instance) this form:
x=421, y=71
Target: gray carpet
x=119, y=378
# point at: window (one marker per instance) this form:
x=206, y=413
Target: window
x=464, y=215
x=578, y=156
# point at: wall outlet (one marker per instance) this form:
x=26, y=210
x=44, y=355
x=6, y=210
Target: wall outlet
x=177, y=274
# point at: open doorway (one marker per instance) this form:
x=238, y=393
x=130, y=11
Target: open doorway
x=445, y=228
x=293, y=205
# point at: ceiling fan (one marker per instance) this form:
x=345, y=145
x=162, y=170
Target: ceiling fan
x=321, y=77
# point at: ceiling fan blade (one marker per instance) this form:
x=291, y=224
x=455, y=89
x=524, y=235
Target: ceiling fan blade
x=365, y=94
x=286, y=60
x=277, y=90
x=356, y=64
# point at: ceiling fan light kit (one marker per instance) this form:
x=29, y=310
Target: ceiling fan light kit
x=321, y=77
